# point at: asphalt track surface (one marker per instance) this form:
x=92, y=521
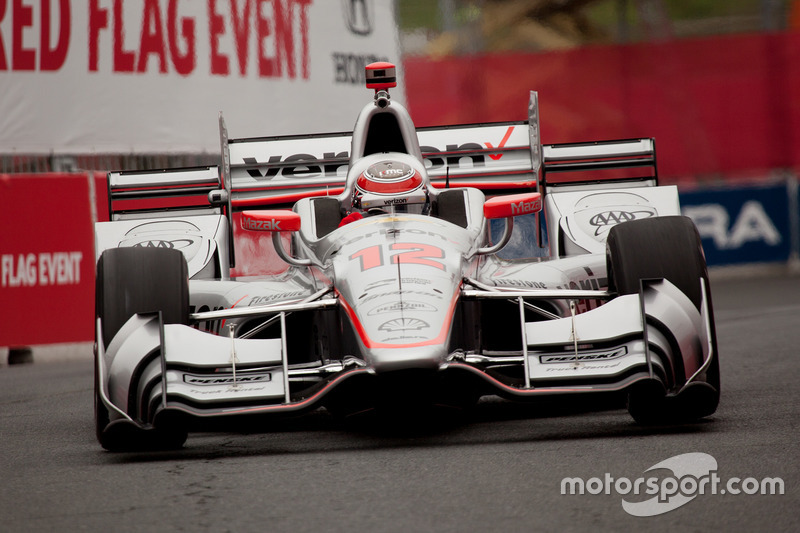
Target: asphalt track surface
x=499, y=470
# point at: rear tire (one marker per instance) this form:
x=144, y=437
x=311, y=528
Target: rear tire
x=130, y=281
x=670, y=248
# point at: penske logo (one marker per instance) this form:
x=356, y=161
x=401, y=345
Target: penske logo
x=226, y=379
x=583, y=357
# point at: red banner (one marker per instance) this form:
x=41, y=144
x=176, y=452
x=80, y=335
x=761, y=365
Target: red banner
x=717, y=107
x=46, y=259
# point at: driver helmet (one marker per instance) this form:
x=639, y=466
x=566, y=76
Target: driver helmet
x=390, y=187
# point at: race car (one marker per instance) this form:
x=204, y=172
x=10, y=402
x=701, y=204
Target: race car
x=391, y=267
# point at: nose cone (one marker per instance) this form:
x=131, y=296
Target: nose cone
x=429, y=357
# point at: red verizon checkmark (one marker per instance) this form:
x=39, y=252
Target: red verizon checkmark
x=497, y=157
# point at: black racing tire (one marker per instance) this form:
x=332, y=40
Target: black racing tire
x=140, y=280
x=129, y=281
x=664, y=247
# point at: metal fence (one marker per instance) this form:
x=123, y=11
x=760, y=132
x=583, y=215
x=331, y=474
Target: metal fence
x=38, y=163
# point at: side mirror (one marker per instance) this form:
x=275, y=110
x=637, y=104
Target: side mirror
x=508, y=207
x=270, y=220
x=512, y=205
x=275, y=221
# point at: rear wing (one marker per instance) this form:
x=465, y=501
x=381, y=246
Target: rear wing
x=153, y=193
x=490, y=156
x=280, y=170
x=596, y=162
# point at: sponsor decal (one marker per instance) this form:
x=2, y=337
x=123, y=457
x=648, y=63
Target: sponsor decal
x=157, y=243
x=396, y=307
x=578, y=366
x=226, y=379
x=391, y=173
x=264, y=225
x=502, y=144
x=597, y=213
x=604, y=220
x=404, y=324
x=399, y=294
x=500, y=282
x=524, y=208
x=307, y=166
x=585, y=284
x=396, y=201
x=42, y=269
x=415, y=281
x=311, y=166
x=238, y=390
x=261, y=300
x=407, y=339
x=583, y=357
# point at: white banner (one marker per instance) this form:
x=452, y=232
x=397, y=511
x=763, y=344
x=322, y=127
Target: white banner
x=151, y=76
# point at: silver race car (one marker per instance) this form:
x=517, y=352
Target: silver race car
x=401, y=267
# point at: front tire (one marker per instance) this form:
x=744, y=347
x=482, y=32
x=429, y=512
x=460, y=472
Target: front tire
x=669, y=248
x=130, y=281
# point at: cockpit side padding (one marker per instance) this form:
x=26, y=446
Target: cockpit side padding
x=452, y=207
x=327, y=215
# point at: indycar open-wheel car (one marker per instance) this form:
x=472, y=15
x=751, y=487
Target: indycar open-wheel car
x=397, y=266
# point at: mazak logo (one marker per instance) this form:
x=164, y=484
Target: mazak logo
x=691, y=474
x=261, y=225
x=358, y=16
x=584, y=357
x=524, y=208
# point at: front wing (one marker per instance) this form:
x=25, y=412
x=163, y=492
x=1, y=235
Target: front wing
x=151, y=368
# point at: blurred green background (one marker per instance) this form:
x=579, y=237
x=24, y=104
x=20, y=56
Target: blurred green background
x=445, y=27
